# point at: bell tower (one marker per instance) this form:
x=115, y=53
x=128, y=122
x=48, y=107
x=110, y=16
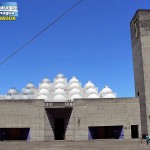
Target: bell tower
x=140, y=36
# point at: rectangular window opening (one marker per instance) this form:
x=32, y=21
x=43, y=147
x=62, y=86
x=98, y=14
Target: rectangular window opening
x=15, y=134
x=106, y=132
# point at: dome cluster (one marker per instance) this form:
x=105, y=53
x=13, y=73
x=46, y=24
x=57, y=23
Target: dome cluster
x=107, y=93
x=60, y=90
x=28, y=91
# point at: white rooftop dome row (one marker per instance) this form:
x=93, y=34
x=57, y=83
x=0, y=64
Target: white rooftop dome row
x=59, y=98
x=110, y=96
x=44, y=91
x=30, y=86
x=106, y=92
x=18, y=97
x=12, y=91
x=60, y=76
x=91, y=91
x=28, y=91
x=45, y=85
x=60, y=90
x=93, y=96
x=75, y=96
x=46, y=99
x=46, y=80
x=60, y=80
x=74, y=91
x=74, y=85
x=89, y=85
x=74, y=80
x=59, y=86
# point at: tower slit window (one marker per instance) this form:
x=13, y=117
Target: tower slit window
x=135, y=27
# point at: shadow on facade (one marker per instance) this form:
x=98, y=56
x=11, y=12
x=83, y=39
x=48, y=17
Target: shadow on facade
x=134, y=131
x=15, y=134
x=106, y=132
x=59, y=119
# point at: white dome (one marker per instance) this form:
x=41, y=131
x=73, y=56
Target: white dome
x=93, y=96
x=59, y=98
x=60, y=80
x=74, y=85
x=59, y=86
x=45, y=85
x=8, y=97
x=44, y=92
x=60, y=76
x=59, y=91
x=91, y=91
x=74, y=91
x=74, y=80
x=46, y=80
x=75, y=96
x=12, y=91
x=30, y=86
x=16, y=97
x=43, y=97
x=89, y=85
x=28, y=91
x=106, y=90
x=25, y=97
x=109, y=96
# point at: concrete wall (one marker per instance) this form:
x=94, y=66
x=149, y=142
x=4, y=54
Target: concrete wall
x=140, y=36
x=23, y=113
x=69, y=135
x=48, y=126
x=86, y=112
x=104, y=112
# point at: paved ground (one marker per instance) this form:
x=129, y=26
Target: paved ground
x=86, y=145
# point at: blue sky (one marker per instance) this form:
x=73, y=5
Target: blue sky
x=92, y=43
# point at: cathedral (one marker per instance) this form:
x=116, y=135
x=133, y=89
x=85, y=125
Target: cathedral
x=63, y=109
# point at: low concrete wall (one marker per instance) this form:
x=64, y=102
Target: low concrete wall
x=23, y=114
x=104, y=112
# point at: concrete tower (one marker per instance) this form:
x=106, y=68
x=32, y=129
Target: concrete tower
x=140, y=36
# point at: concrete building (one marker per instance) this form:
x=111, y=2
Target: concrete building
x=64, y=110
x=140, y=36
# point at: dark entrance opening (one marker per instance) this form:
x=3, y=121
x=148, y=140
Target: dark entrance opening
x=106, y=132
x=134, y=131
x=58, y=120
x=14, y=134
x=59, y=129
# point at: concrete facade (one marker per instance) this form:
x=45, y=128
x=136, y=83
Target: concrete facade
x=42, y=116
x=97, y=112
x=85, y=113
x=140, y=36
x=104, y=112
x=23, y=114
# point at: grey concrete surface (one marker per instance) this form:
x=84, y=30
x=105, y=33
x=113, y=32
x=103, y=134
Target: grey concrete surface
x=23, y=114
x=105, y=112
x=82, y=145
x=84, y=114
x=140, y=37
